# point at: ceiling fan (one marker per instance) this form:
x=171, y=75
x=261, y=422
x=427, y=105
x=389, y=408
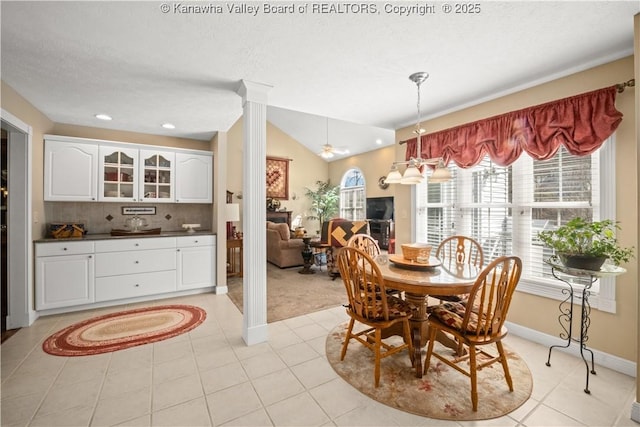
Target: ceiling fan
x=328, y=150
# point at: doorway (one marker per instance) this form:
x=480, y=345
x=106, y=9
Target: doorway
x=18, y=251
x=4, y=191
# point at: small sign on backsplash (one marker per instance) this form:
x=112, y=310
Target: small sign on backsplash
x=138, y=210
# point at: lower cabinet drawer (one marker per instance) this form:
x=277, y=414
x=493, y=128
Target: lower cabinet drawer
x=134, y=285
x=132, y=262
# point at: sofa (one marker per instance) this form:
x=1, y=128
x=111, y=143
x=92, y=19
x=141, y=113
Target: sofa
x=282, y=250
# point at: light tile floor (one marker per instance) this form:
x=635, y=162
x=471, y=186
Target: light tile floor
x=210, y=377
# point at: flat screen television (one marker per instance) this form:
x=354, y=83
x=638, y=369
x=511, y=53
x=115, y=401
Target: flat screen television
x=379, y=207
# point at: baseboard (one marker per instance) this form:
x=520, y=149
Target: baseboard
x=607, y=360
x=635, y=412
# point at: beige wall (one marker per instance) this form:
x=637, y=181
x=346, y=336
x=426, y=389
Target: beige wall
x=305, y=169
x=611, y=333
x=373, y=165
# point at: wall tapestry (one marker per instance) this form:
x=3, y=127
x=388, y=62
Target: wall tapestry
x=277, y=178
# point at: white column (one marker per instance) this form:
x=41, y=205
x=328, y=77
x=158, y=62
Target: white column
x=254, y=216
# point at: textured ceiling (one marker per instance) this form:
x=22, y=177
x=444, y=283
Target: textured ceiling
x=145, y=67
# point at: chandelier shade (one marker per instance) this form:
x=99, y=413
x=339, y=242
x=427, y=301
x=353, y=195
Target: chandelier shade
x=440, y=174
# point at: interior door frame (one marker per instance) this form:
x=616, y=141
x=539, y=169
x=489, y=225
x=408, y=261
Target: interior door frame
x=19, y=214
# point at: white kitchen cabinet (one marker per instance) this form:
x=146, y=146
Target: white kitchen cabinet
x=81, y=169
x=194, y=178
x=158, y=175
x=78, y=275
x=196, y=261
x=64, y=274
x=70, y=171
x=118, y=174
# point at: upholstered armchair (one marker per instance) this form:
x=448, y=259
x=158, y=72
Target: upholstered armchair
x=282, y=250
x=335, y=234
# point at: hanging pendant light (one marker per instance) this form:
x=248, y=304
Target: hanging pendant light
x=394, y=176
x=413, y=174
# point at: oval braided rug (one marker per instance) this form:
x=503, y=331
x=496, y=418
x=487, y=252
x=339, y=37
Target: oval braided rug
x=117, y=331
x=442, y=393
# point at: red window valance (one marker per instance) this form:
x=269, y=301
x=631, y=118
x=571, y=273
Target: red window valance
x=581, y=123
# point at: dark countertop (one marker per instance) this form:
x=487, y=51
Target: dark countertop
x=106, y=236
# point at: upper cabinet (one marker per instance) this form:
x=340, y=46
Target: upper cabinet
x=92, y=170
x=194, y=174
x=118, y=174
x=158, y=176
x=70, y=171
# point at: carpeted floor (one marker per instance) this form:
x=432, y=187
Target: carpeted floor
x=442, y=393
x=290, y=294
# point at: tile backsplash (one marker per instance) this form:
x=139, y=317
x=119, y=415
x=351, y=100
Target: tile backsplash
x=100, y=217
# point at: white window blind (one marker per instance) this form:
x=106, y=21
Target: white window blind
x=504, y=208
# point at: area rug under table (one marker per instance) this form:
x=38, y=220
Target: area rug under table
x=442, y=393
x=117, y=331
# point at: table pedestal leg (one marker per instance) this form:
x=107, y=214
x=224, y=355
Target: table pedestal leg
x=419, y=328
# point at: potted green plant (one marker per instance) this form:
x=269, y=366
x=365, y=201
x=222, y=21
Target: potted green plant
x=325, y=200
x=586, y=244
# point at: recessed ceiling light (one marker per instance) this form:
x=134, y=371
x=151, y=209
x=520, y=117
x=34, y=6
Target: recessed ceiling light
x=103, y=117
x=378, y=141
x=168, y=126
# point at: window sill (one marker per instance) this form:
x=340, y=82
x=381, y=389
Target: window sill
x=604, y=299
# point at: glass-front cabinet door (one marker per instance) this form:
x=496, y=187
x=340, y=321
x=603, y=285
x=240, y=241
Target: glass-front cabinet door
x=118, y=174
x=157, y=176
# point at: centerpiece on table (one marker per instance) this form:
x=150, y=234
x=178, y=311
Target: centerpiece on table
x=586, y=244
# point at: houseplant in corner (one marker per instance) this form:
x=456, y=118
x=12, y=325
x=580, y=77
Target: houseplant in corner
x=586, y=244
x=324, y=201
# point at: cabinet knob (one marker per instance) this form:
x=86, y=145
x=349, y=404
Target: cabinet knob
x=178, y=250
x=195, y=241
x=137, y=244
x=90, y=256
x=137, y=285
x=64, y=249
x=137, y=262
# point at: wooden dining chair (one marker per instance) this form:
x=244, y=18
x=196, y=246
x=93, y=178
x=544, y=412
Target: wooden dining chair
x=460, y=250
x=365, y=243
x=370, y=305
x=368, y=244
x=478, y=322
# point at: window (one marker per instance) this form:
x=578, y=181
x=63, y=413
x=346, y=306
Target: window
x=504, y=208
x=352, y=195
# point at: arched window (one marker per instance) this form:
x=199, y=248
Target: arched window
x=352, y=195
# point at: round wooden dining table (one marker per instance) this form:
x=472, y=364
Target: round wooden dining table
x=419, y=282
